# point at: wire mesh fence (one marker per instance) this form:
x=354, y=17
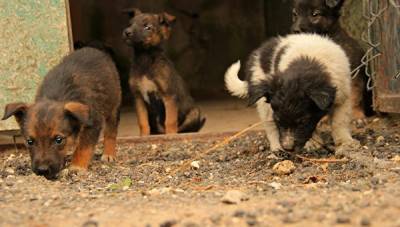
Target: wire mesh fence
x=383, y=55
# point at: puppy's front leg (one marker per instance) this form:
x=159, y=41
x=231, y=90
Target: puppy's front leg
x=142, y=116
x=341, y=132
x=171, y=114
x=265, y=112
x=86, y=144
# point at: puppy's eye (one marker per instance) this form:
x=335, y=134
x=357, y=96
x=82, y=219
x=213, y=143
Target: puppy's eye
x=30, y=142
x=294, y=13
x=316, y=13
x=59, y=140
x=147, y=27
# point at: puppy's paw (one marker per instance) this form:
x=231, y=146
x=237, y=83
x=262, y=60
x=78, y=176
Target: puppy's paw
x=360, y=122
x=276, y=147
x=108, y=158
x=347, y=147
x=72, y=172
x=312, y=145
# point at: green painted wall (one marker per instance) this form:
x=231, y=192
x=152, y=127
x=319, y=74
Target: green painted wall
x=33, y=39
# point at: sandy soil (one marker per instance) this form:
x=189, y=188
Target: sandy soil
x=149, y=185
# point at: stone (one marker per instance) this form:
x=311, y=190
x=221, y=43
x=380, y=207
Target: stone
x=284, y=168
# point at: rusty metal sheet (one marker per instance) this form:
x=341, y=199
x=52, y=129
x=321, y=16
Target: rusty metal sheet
x=385, y=35
x=33, y=38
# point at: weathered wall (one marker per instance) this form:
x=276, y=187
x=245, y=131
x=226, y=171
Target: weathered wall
x=353, y=21
x=33, y=38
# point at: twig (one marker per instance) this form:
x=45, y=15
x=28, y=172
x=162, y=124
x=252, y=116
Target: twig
x=323, y=160
x=187, y=163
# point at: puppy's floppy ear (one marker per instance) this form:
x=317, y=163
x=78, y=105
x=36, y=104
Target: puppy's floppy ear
x=18, y=109
x=323, y=97
x=167, y=19
x=132, y=12
x=79, y=112
x=257, y=91
x=334, y=4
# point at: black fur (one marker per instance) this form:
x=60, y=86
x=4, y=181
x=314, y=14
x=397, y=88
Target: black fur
x=322, y=17
x=267, y=51
x=299, y=96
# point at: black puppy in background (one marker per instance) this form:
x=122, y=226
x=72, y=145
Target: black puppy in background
x=322, y=17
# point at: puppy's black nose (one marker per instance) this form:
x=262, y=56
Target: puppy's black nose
x=128, y=33
x=43, y=170
x=296, y=31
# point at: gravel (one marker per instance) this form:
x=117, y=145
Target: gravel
x=149, y=186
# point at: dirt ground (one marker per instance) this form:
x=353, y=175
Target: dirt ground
x=151, y=186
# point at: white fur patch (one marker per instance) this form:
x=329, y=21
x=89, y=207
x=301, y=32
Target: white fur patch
x=234, y=85
x=257, y=73
x=146, y=86
x=324, y=51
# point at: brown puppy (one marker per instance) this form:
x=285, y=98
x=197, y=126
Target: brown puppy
x=71, y=104
x=163, y=103
x=322, y=17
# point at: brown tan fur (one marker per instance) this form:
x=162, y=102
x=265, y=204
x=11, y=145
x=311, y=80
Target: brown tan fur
x=163, y=103
x=72, y=103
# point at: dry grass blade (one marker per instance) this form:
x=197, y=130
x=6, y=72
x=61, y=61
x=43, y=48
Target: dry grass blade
x=323, y=160
x=187, y=163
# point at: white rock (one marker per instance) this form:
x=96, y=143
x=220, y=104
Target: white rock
x=195, y=164
x=275, y=185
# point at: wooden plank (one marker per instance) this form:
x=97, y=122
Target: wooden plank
x=386, y=32
x=33, y=38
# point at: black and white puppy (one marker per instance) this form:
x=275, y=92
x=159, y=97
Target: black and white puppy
x=295, y=81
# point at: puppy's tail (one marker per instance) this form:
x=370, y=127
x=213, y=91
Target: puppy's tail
x=234, y=85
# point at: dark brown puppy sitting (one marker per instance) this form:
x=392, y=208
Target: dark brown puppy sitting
x=322, y=17
x=163, y=103
x=71, y=104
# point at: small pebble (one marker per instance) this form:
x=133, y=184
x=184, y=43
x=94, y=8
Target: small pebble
x=234, y=197
x=252, y=222
x=375, y=120
x=380, y=140
x=342, y=219
x=90, y=223
x=195, y=165
x=216, y=218
x=275, y=185
x=168, y=223
x=365, y=222
x=284, y=168
x=239, y=213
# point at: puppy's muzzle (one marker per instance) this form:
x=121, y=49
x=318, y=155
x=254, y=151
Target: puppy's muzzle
x=287, y=140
